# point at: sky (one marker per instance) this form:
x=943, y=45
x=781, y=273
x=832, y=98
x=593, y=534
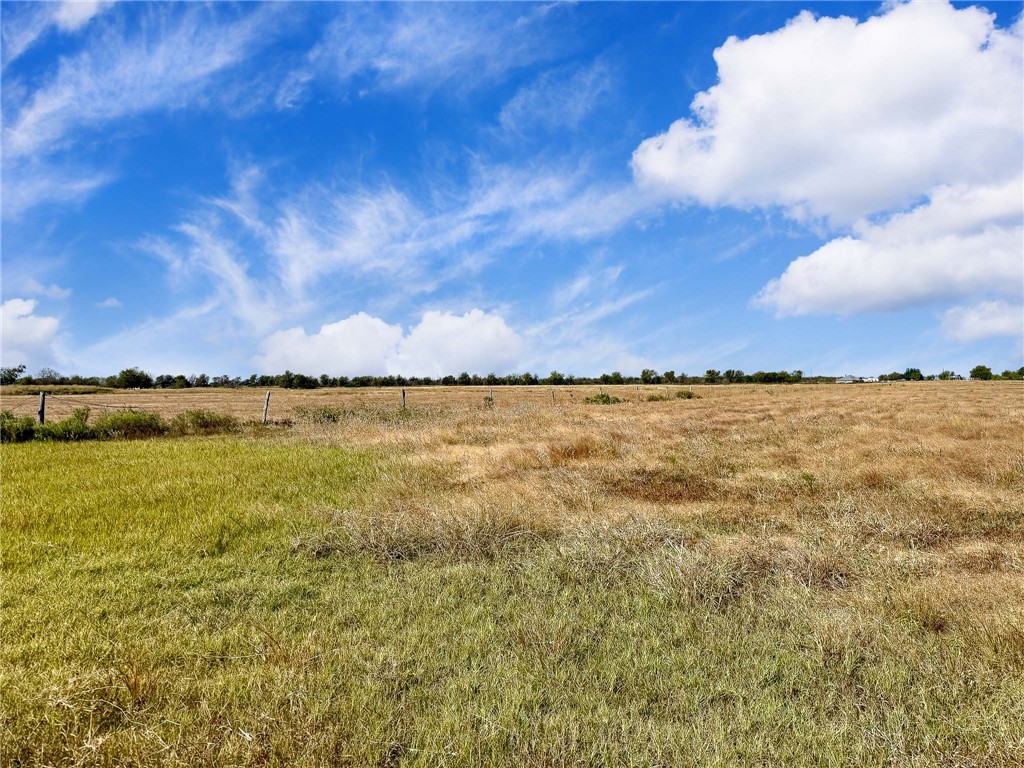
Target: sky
x=426, y=189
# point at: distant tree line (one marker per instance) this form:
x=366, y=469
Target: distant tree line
x=978, y=373
x=136, y=378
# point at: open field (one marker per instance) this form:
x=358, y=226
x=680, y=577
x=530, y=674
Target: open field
x=782, y=575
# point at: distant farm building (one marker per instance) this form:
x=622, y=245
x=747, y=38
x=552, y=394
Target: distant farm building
x=848, y=379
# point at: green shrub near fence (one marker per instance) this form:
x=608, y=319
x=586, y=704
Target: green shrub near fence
x=16, y=429
x=202, y=422
x=130, y=425
x=602, y=399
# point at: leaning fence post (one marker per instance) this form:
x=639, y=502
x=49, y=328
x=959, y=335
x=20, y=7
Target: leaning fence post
x=266, y=407
x=552, y=397
x=42, y=407
x=403, y=399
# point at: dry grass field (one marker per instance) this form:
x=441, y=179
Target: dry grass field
x=780, y=575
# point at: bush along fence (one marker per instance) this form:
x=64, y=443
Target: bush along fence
x=116, y=425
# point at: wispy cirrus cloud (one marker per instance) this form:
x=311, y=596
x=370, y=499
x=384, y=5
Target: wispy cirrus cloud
x=201, y=251
x=166, y=61
x=381, y=232
x=455, y=47
x=266, y=257
x=156, y=60
x=557, y=99
x=26, y=23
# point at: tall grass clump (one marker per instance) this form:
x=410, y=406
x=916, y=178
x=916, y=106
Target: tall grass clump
x=202, y=422
x=16, y=429
x=130, y=425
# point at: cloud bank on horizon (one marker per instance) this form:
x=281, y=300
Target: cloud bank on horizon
x=426, y=189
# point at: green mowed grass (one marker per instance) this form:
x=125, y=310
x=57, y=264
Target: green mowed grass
x=161, y=605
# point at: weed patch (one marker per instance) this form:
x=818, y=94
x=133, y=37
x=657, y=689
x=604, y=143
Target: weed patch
x=202, y=422
x=16, y=429
x=129, y=425
x=602, y=398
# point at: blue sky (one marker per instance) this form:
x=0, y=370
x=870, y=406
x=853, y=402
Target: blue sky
x=431, y=188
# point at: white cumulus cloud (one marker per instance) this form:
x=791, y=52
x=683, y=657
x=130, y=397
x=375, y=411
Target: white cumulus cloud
x=25, y=337
x=963, y=241
x=357, y=345
x=444, y=343
x=984, y=320
x=901, y=134
x=833, y=119
x=441, y=343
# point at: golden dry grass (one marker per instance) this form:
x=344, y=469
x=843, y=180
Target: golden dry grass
x=820, y=574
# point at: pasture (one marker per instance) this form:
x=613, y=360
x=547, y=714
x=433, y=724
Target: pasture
x=781, y=575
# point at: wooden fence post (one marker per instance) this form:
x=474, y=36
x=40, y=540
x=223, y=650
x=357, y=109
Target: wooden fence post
x=42, y=408
x=266, y=407
x=403, y=399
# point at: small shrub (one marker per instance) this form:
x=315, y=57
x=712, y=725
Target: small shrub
x=16, y=429
x=202, y=422
x=657, y=398
x=685, y=394
x=602, y=399
x=69, y=430
x=129, y=425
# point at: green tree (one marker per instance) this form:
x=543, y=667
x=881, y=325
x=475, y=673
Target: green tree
x=133, y=378
x=981, y=372
x=650, y=376
x=669, y=376
x=711, y=376
x=10, y=375
x=913, y=374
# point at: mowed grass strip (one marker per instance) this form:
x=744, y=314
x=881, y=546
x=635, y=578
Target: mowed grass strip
x=231, y=601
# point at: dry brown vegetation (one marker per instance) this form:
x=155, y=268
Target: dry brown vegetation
x=874, y=533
